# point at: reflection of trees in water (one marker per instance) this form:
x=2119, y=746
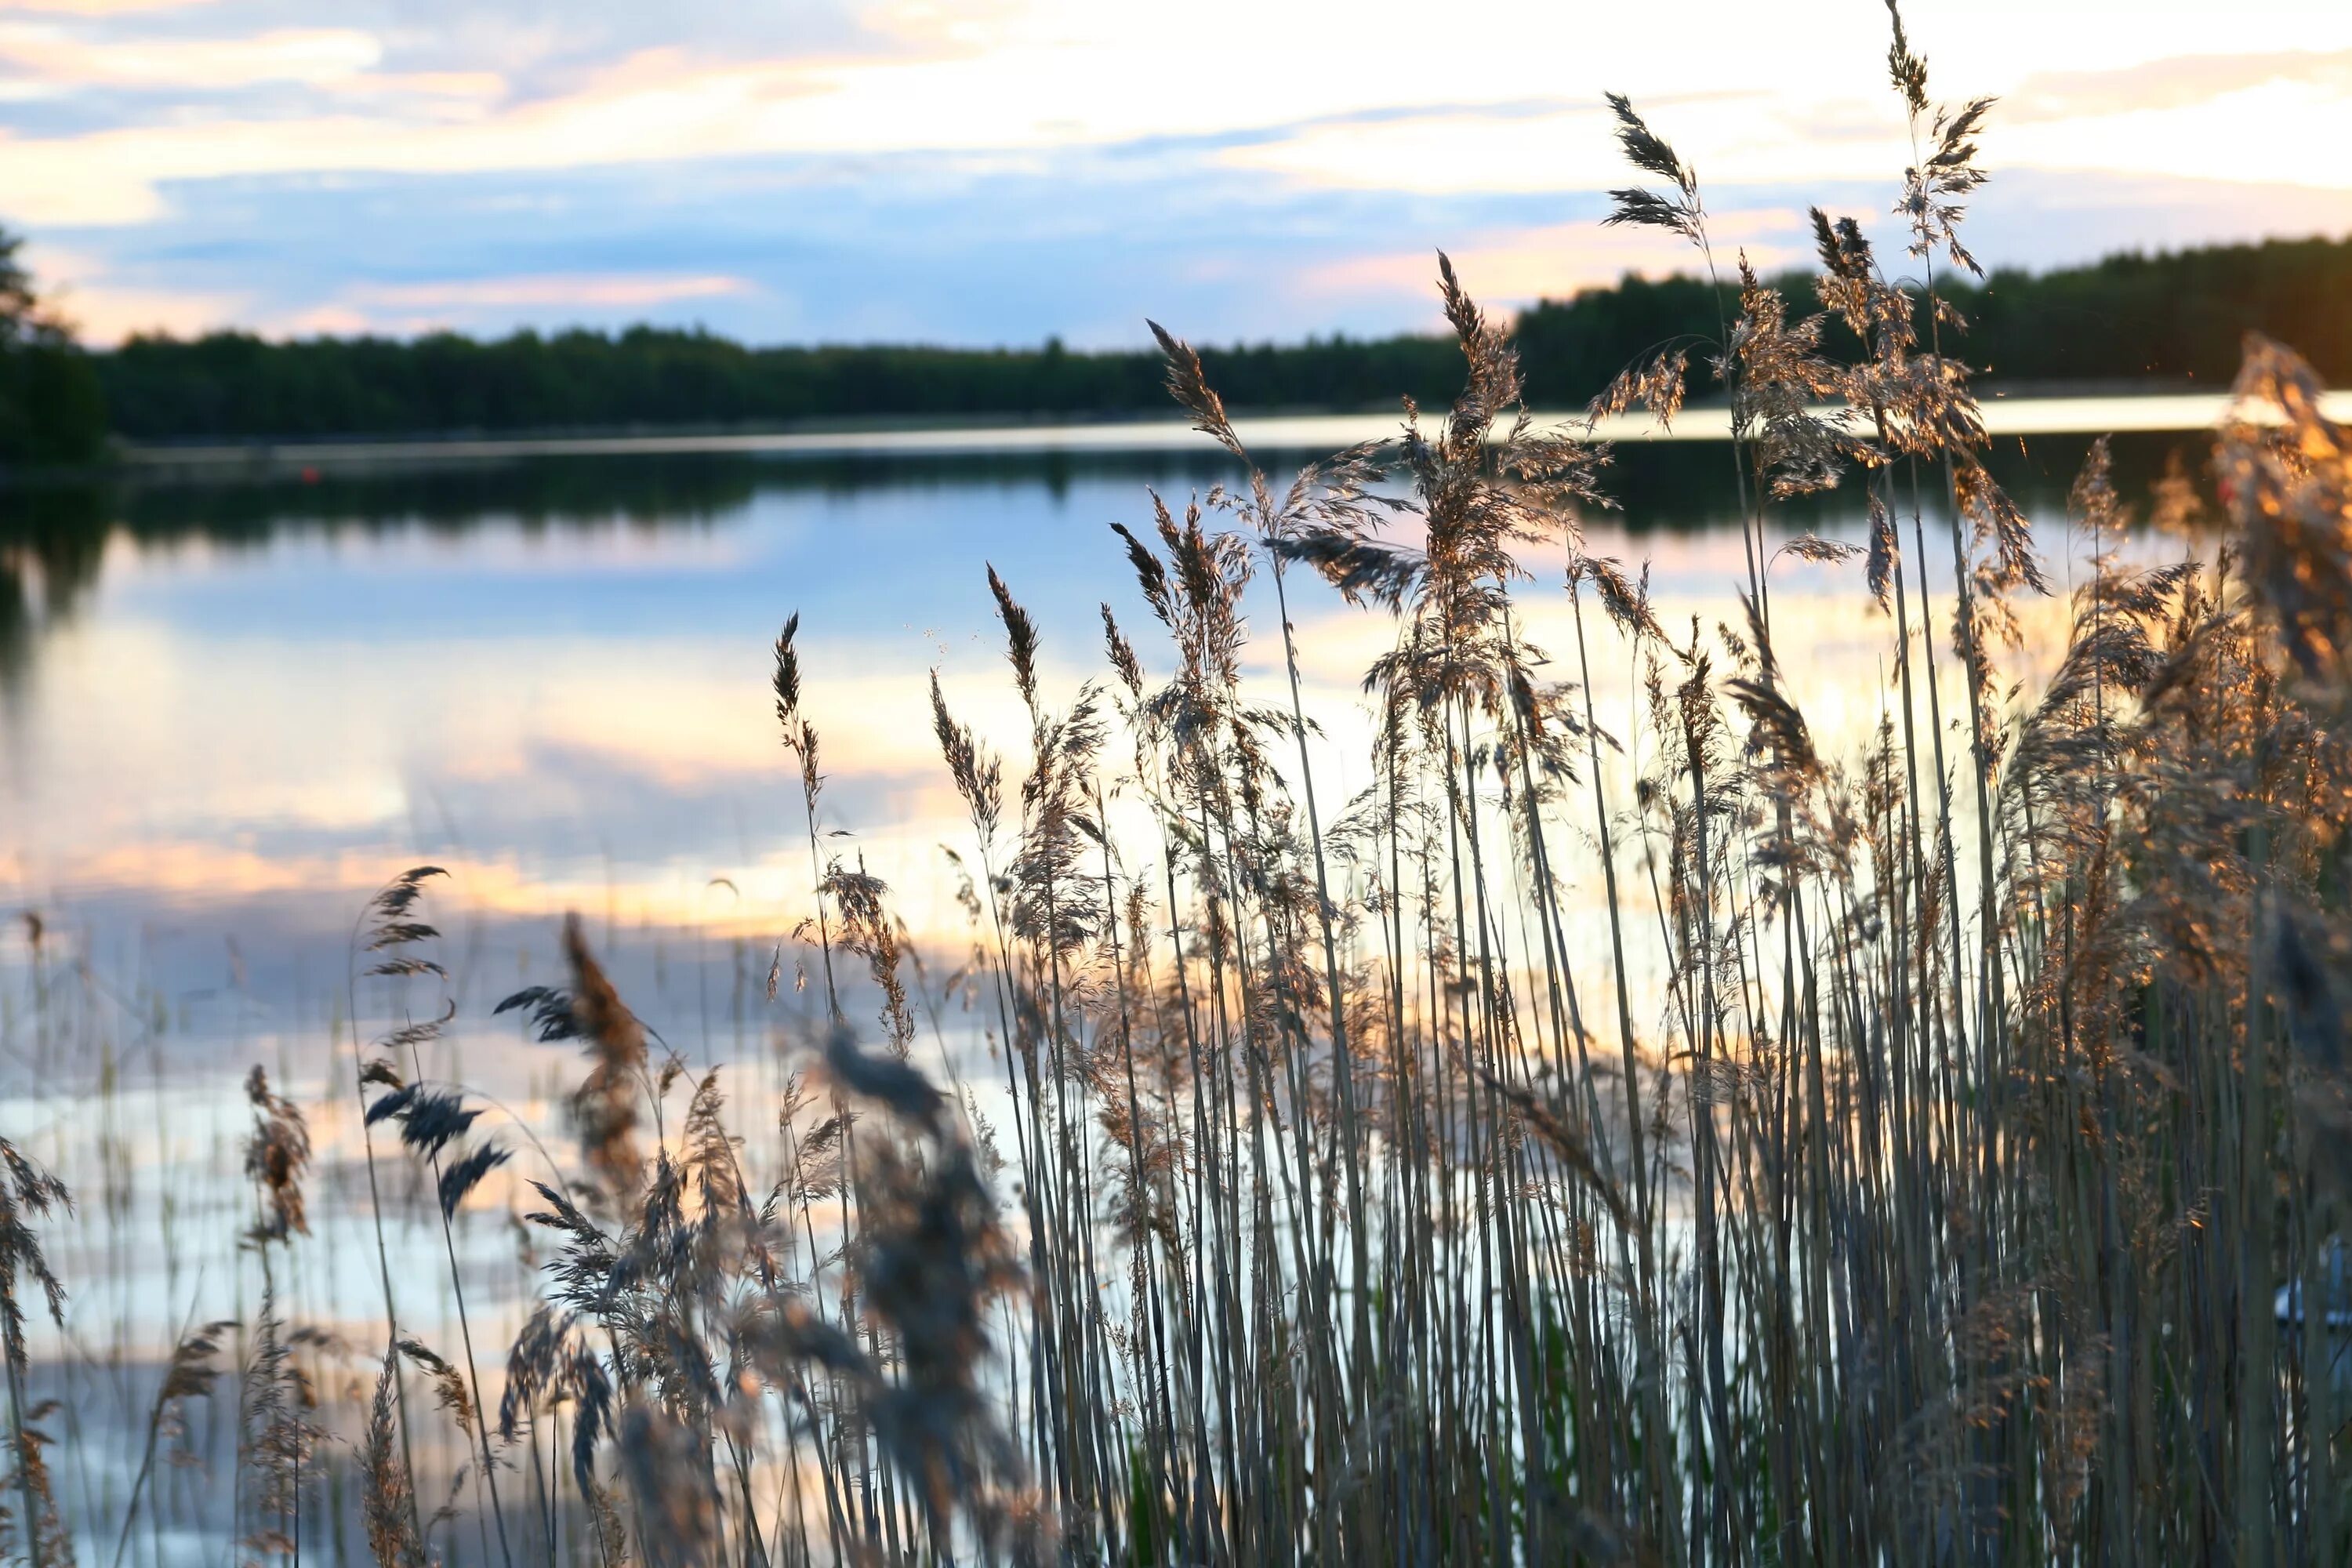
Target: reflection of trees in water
x=53, y=538
x=51, y=542
x=1676, y=486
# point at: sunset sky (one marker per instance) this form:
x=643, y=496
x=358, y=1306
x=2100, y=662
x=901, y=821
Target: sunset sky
x=997, y=170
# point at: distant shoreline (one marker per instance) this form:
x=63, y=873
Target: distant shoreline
x=2020, y=414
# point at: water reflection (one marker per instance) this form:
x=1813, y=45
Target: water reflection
x=54, y=539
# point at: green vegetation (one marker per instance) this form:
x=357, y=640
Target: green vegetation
x=1623, y=1132
x=51, y=408
x=2175, y=316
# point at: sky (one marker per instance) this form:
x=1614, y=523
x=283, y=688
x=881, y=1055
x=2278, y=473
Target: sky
x=998, y=171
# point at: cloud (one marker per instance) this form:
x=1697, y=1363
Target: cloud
x=2180, y=82
x=601, y=291
x=1554, y=260
x=45, y=57
x=1005, y=169
x=94, y=8
x=104, y=311
x=997, y=248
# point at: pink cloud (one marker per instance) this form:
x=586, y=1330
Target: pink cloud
x=1556, y=260
x=2180, y=82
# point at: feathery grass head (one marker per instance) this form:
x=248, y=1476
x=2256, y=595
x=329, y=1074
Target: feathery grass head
x=388, y=1499
x=2289, y=487
x=1907, y=70
x=391, y=932
x=786, y=682
x=978, y=773
x=1647, y=151
x=1188, y=383
x=605, y=1108
x=28, y=1192
x=1020, y=640
x=276, y=1152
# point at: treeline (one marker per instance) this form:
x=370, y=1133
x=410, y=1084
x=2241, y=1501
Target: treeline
x=2177, y=318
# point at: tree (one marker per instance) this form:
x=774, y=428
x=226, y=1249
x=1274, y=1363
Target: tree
x=52, y=410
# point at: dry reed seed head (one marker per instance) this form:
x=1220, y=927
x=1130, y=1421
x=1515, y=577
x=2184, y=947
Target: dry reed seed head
x=191, y=1373
x=31, y=1490
x=1907, y=70
x=1188, y=383
x=533, y=1361
x=787, y=680
x=979, y=776
x=1123, y=662
x=429, y=1119
x=1656, y=385
x=933, y=1258
x=868, y=931
x=390, y=931
x=2174, y=509
x=605, y=1108
x=1845, y=253
x=275, y=1441
x=449, y=1386
x=392, y=904
x=1020, y=640
x=1626, y=600
x=27, y=1191
x=1999, y=521
x=1649, y=153
x=1362, y=570
x=1886, y=552
x=1492, y=382
x=2290, y=492
x=1948, y=172
x=1149, y=574
x=276, y=1152
x=387, y=1500
x=463, y=1175
x=1777, y=376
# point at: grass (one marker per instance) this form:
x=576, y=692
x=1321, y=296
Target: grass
x=1618, y=1136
